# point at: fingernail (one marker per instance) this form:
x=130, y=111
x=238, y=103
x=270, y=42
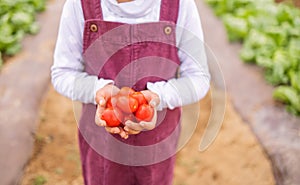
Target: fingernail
x=103, y=123
x=153, y=103
x=123, y=135
x=101, y=102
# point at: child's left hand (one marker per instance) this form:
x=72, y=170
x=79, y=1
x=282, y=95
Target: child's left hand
x=137, y=127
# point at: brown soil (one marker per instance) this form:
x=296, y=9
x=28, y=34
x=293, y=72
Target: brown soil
x=295, y=2
x=235, y=158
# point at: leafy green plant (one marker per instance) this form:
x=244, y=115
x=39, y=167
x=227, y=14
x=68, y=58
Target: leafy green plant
x=17, y=18
x=39, y=180
x=270, y=33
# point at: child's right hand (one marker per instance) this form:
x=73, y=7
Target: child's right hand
x=105, y=93
x=102, y=96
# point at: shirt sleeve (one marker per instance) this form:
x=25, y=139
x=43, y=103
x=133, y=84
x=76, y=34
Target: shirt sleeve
x=194, y=79
x=67, y=72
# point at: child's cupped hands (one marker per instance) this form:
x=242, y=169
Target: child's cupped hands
x=105, y=97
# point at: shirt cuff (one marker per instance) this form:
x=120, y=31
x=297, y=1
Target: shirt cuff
x=153, y=88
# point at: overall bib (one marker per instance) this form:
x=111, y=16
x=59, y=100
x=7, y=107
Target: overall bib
x=131, y=55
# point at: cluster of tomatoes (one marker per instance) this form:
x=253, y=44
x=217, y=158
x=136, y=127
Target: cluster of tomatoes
x=126, y=105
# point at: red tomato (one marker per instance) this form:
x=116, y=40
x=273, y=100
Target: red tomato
x=108, y=103
x=144, y=113
x=127, y=104
x=125, y=91
x=111, y=102
x=139, y=97
x=113, y=117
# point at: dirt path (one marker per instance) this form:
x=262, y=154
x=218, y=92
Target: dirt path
x=235, y=157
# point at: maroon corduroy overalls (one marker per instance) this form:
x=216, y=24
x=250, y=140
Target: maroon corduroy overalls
x=131, y=55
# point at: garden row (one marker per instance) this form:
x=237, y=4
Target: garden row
x=270, y=33
x=17, y=18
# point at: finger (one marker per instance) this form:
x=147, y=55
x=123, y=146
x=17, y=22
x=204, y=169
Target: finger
x=101, y=101
x=151, y=97
x=106, y=92
x=100, y=98
x=154, y=102
x=111, y=90
x=114, y=101
x=114, y=90
x=131, y=131
x=150, y=125
x=98, y=119
x=147, y=94
x=100, y=122
x=133, y=125
x=117, y=130
x=123, y=134
x=113, y=130
x=99, y=110
x=147, y=125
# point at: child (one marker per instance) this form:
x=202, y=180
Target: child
x=104, y=45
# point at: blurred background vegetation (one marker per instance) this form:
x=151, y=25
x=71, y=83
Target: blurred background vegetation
x=270, y=34
x=17, y=18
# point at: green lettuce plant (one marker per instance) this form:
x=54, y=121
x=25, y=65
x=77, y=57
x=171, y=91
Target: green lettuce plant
x=270, y=34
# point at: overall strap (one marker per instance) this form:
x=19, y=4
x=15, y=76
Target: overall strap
x=169, y=10
x=92, y=9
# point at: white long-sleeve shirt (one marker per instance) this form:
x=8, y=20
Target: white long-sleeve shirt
x=67, y=73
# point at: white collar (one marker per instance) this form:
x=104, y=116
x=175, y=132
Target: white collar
x=135, y=8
